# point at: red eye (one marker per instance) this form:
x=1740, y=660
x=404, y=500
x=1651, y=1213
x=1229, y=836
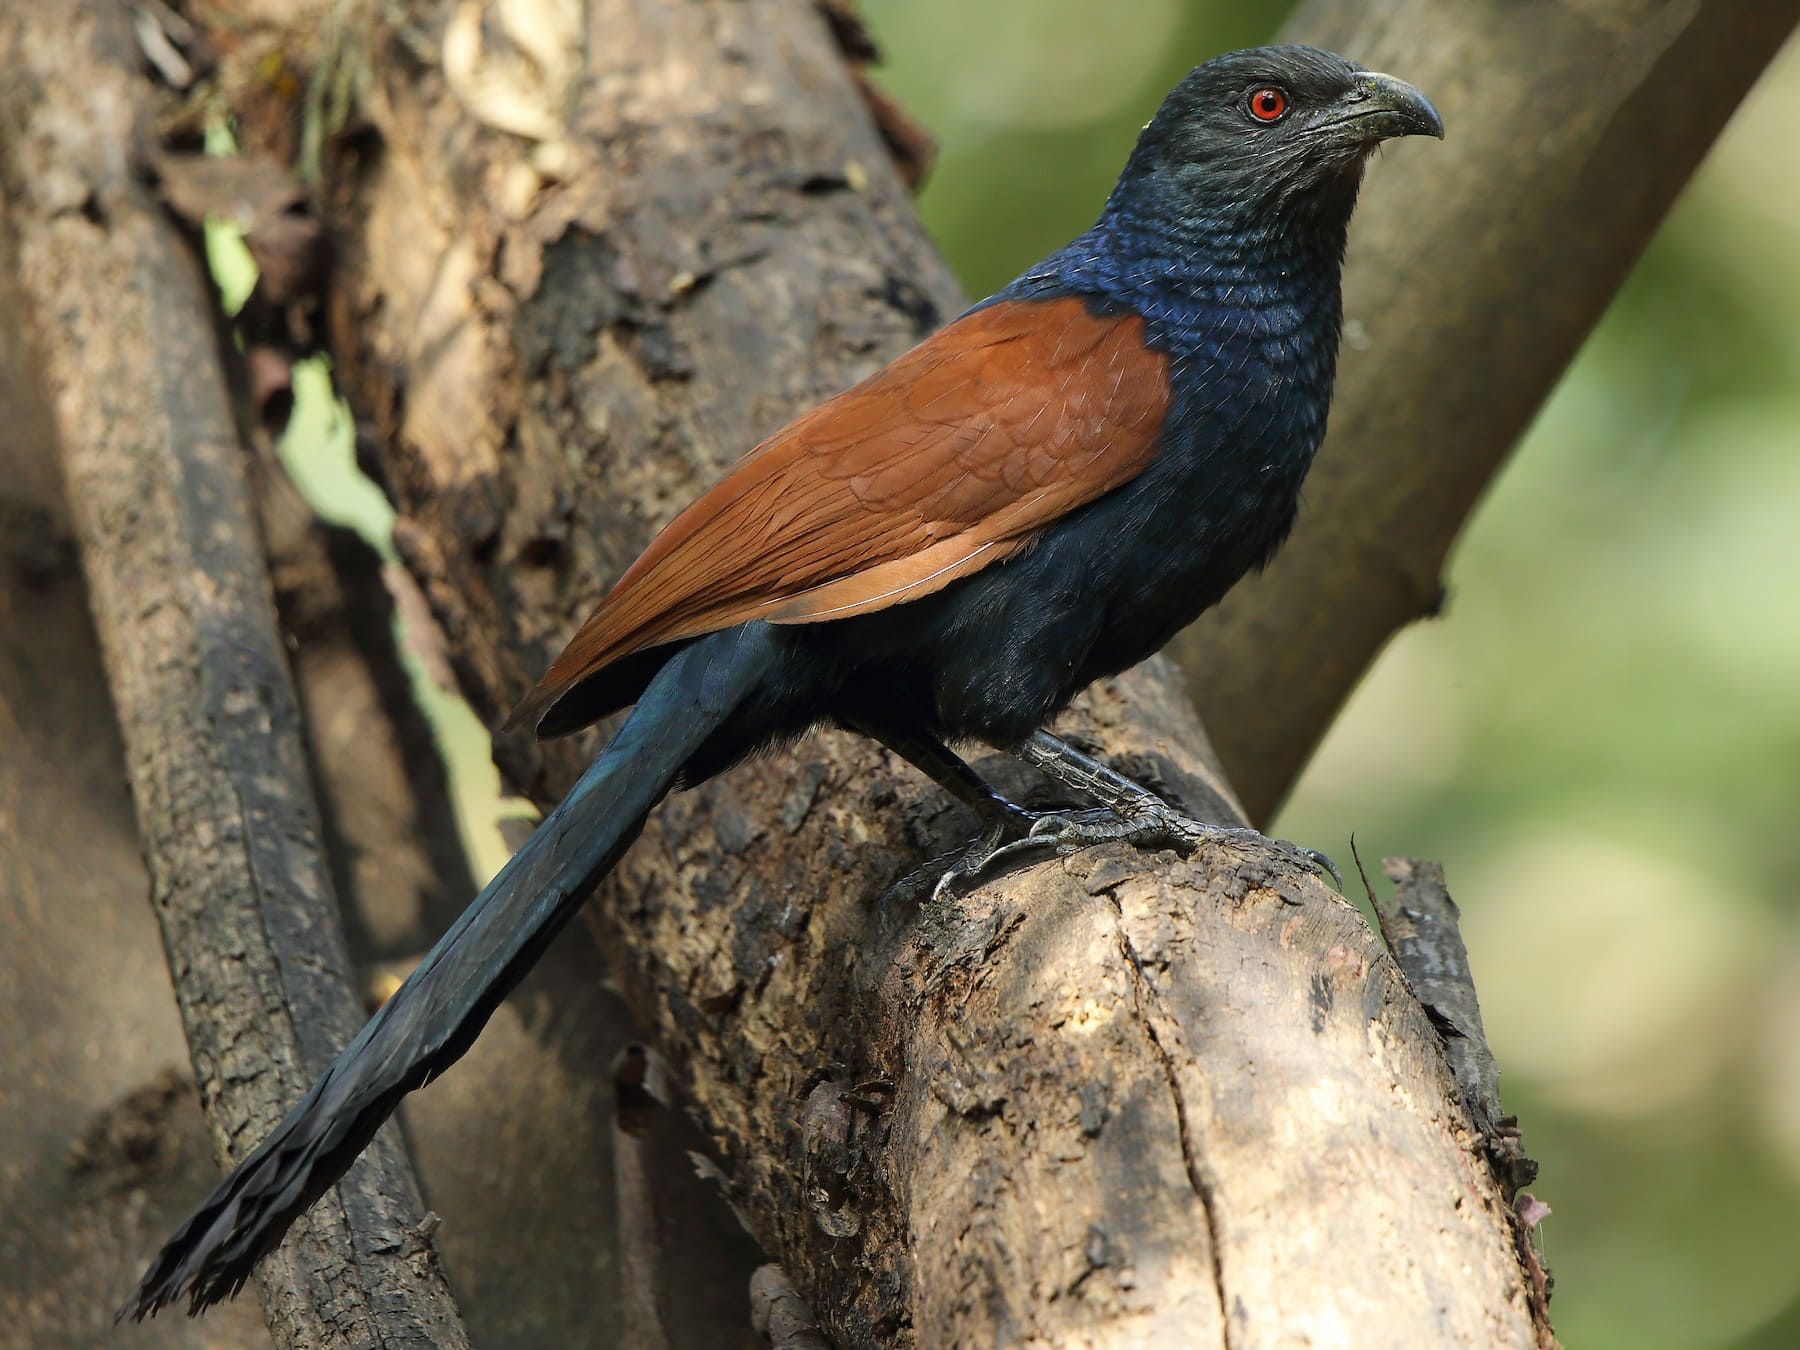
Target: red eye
x=1268, y=105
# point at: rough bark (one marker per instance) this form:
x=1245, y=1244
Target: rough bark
x=102, y=1138
x=155, y=477
x=1477, y=269
x=1123, y=1098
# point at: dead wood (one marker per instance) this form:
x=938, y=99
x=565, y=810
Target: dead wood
x=1423, y=930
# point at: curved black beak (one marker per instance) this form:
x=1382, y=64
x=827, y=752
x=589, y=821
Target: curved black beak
x=1381, y=108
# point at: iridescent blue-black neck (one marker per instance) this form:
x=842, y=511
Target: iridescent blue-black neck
x=1245, y=302
x=1233, y=285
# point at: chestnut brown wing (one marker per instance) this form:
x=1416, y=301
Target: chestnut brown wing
x=940, y=464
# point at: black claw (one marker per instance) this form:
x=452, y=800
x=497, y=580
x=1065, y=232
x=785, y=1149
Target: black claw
x=1322, y=864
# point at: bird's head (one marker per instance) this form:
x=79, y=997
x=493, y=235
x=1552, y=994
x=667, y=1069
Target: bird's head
x=1269, y=132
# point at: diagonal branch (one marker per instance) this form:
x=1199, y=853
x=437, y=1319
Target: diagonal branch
x=198, y=674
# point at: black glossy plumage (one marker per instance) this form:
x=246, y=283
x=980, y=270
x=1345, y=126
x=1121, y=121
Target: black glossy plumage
x=1225, y=236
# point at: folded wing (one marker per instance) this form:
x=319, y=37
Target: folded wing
x=942, y=463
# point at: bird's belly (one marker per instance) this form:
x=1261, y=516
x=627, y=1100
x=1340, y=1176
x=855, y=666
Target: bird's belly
x=998, y=654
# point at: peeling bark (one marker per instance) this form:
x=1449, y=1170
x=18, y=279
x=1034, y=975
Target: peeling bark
x=780, y=1315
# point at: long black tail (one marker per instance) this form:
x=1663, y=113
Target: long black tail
x=435, y=1016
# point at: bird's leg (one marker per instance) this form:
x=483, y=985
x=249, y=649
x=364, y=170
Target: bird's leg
x=1136, y=815
x=1004, y=823
x=1001, y=819
x=1100, y=784
x=1129, y=812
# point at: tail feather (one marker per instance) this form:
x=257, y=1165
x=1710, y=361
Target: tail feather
x=436, y=1014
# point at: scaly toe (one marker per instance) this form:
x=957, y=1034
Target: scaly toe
x=1164, y=829
x=1057, y=834
x=1078, y=828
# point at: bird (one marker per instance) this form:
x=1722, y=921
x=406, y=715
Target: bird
x=1035, y=497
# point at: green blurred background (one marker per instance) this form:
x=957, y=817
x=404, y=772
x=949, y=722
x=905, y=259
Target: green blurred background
x=1601, y=738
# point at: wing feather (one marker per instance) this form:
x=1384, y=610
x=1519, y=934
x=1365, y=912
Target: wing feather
x=944, y=462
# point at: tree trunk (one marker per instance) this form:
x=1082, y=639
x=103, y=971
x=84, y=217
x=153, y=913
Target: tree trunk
x=1476, y=271
x=1125, y=1097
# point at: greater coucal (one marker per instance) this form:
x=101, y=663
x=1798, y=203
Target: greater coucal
x=1035, y=497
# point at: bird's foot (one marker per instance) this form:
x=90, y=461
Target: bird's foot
x=1149, y=825
x=1003, y=834
x=1159, y=825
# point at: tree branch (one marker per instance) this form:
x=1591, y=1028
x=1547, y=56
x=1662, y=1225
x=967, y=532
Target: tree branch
x=1476, y=271
x=197, y=670
x=103, y=1151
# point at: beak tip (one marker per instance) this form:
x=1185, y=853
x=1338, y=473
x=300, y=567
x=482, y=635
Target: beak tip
x=1420, y=115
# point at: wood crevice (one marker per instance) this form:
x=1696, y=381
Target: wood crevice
x=1143, y=993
